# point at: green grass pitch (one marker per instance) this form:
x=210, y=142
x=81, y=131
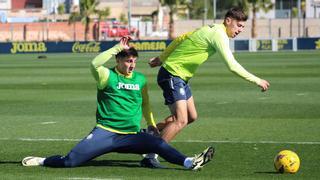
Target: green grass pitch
x=47, y=105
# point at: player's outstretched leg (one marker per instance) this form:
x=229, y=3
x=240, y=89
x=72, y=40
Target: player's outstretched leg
x=52, y=161
x=203, y=158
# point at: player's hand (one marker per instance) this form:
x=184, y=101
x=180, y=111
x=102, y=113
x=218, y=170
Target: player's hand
x=154, y=131
x=154, y=62
x=124, y=42
x=264, y=85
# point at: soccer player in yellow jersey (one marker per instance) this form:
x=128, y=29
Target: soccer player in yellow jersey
x=183, y=56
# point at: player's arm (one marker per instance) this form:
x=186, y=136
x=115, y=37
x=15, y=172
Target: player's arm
x=157, y=61
x=146, y=110
x=99, y=72
x=221, y=44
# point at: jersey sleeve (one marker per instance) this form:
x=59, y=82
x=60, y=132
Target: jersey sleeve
x=172, y=46
x=99, y=72
x=221, y=44
x=146, y=109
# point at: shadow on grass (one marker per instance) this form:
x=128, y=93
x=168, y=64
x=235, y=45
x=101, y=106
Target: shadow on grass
x=122, y=163
x=10, y=162
x=266, y=172
x=112, y=163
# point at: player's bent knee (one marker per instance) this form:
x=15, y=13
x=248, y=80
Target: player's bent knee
x=181, y=123
x=191, y=119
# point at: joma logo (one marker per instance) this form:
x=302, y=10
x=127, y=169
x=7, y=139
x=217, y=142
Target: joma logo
x=28, y=47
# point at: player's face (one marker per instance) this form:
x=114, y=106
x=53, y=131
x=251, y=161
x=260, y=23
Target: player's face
x=126, y=65
x=234, y=27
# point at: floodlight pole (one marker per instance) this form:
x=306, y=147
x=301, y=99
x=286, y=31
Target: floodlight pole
x=214, y=4
x=291, y=6
x=129, y=16
x=299, y=16
x=204, y=13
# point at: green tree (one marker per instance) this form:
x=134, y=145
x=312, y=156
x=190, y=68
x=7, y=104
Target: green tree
x=102, y=14
x=61, y=8
x=87, y=8
x=255, y=6
x=173, y=7
x=73, y=18
x=123, y=18
x=196, y=8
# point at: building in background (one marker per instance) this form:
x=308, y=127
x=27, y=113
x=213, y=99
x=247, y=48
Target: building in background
x=147, y=18
x=139, y=8
x=5, y=7
x=313, y=9
x=51, y=6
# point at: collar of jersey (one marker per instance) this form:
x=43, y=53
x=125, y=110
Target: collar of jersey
x=119, y=73
x=224, y=27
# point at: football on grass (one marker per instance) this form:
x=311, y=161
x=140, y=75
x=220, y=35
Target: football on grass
x=287, y=161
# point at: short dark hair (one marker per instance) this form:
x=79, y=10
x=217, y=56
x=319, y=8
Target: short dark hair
x=127, y=52
x=236, y=13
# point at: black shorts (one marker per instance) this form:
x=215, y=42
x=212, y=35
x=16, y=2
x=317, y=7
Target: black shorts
x=174, y=88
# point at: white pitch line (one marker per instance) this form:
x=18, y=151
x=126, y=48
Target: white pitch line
x=88, y=178
x=251, y=142
x=49, y=122
x=263, y=98
x=301, y=94
x=179, y=141
x=49, y=139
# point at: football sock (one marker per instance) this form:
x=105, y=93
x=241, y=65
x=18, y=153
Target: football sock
x=41, y=161
x=188, y=162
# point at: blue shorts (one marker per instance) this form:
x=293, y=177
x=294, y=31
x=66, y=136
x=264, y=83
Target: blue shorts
x=174, y=88
x=101, y=141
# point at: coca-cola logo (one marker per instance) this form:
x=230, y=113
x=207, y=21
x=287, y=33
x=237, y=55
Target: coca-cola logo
x=86, y=47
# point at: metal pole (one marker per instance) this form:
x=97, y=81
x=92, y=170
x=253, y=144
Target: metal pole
x=129, y=15
x=11, y=31
x=299, y=17
x=270, y=30
x=204, y=12
x=291, y=2
x=43, y=30
x=214, y=10
x=47, y=25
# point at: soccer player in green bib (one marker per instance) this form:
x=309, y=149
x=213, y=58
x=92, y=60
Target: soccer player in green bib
x=122, y=100
x=180, y=60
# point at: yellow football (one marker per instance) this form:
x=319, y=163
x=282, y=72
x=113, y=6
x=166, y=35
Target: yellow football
x=287, y=161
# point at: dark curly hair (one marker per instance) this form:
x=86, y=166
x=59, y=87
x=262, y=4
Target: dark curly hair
x=236, y=13
x=127, y=52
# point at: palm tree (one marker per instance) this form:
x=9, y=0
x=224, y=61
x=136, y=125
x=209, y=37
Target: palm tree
x=87, y=8
x=173, y=7
x=255, y=6
x=102, y=14
x=73, y=18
